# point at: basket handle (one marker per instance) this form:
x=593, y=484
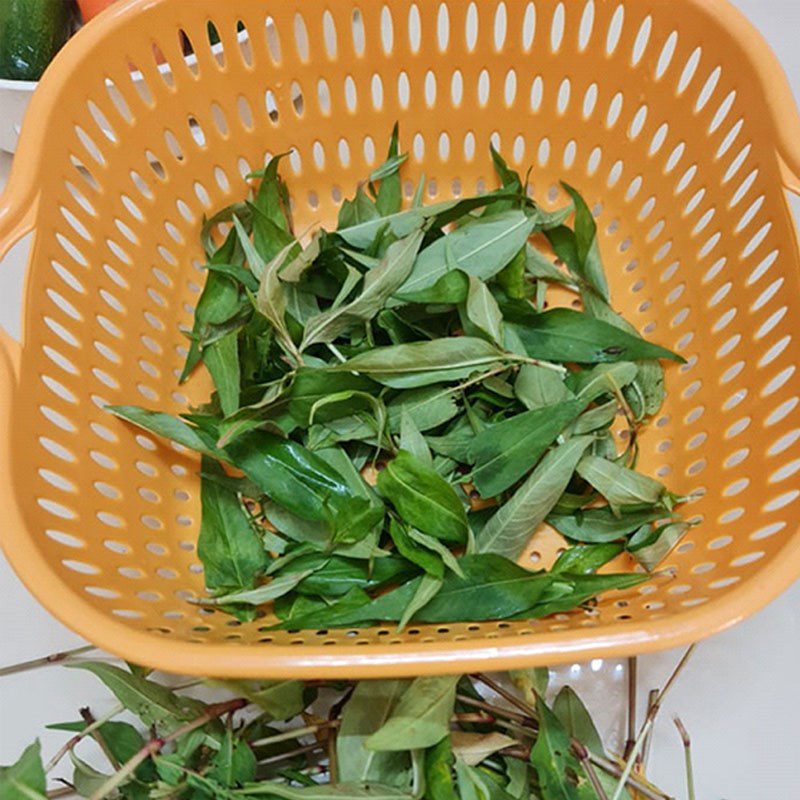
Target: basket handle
x=17, y=215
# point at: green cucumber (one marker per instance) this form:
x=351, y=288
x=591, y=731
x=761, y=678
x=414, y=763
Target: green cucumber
x=31, y=33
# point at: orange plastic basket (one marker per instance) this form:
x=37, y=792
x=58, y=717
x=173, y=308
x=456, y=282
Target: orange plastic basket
x=673, y=118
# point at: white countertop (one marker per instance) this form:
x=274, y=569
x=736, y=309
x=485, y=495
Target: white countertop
x=739, y=696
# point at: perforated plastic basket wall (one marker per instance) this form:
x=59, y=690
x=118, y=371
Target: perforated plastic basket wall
x=672, y=117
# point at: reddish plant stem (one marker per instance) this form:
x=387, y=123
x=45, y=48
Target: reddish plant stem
x=154, y=746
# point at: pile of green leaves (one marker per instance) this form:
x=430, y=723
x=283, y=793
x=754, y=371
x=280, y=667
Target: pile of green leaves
x=437, y=738
x=402, y=409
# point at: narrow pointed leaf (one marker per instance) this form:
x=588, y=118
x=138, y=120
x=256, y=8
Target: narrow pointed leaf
x=508, y=531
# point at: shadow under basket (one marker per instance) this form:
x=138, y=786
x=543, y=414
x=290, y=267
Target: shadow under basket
x=672, y=118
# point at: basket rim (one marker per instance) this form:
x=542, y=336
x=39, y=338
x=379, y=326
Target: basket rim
x=18, y=216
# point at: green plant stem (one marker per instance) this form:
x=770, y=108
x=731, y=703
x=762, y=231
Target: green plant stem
x=632, y=681
x=652, y=699
x=530, y=725
x=648, y=724
x=687, y=753
x=298, y=751
x=89, y=719
x=87, y=731
x=583, y=756
x=155, y=746
x=46, y=661
x=295, y=733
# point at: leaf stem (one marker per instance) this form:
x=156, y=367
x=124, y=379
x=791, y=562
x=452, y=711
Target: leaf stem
x=64, y=791
x=295, y=733
x=582, y=755
x=687, y=751
x=87, y=731
x=306, y=748
x=632, y=680
x=155, y=745
x=505, y=694
x=89, y=719
x=45, y=661
x=648, y=724
x=530, y=723
x=536, y=362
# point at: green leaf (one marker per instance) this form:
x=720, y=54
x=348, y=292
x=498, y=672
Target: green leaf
x=358, y=210
x=412, y=440
x=291, y=475
x=312, y=385
x=368, y=709
x=450, y=560
x=563, y=335
x=167, y=426
x=508, y=177
x=379, y=284
x=577, y=722
x=619, y=485
x=481, y=248
x=450, y=288
x=429, y=407
x=421, y=718
x=25, y=779
x=595, y=525
x=507, y=450
x=406, y=366
x=230, y=549
x=334, y=575
x=588, y=265
x=472, y=748
x=272, y=199
x=390, y=194
x=531, y=682
x=427, y=589
x=511, y=279
x=570, y=591
x=518, y=786
x=241, y=274
x=294, y=270
x=271, y=298
x=328, y=791
x=508, y=531
x=363, y=234
x=539, y=266
x=222, y=361
x=413, y=552
x=275, y=588
x=483, y=312
x=602, y=379
x=423, y=498
x=650, y=378
x=586, y=558
x=86, y=779
x=492, y=587
x=537, y=386
x=152, y=703
x=234, y=764
x=561, y=776
x=439, y=781
x=657, y=544
x=599, y=418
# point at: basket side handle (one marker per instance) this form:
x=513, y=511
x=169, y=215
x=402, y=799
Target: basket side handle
x=777, y=92
x=17, y=216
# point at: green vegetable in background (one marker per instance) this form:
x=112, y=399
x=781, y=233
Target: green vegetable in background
x=31, y=33
x=458, y=737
